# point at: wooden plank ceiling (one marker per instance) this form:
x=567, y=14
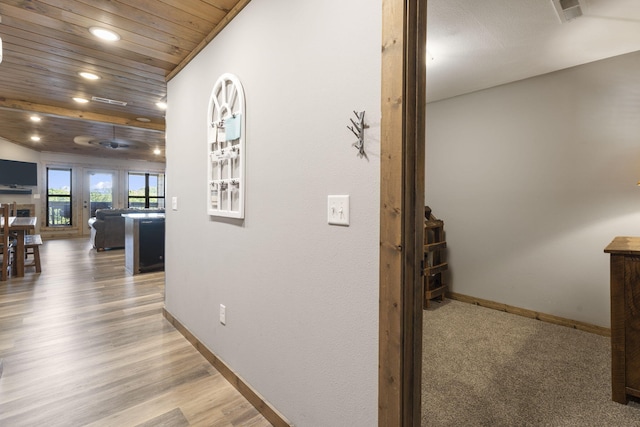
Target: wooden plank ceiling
x=47, y=43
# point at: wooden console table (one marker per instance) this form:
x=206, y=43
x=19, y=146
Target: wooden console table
x=625, y=318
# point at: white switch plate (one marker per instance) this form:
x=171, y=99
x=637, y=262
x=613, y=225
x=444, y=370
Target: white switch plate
x=174, y=203
x=338, y=210
x=223, y=314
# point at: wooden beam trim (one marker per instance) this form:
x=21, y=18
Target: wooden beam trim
x=414, y=202
x=49, y=110
x=218, y=28
x=391, y=307
x=268, y=411
x=401, y=212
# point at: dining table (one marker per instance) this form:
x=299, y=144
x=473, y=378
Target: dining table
x=20, y=225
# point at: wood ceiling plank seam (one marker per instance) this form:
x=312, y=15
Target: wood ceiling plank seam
x=224, y=5
x=108, y=84
x=70, y=47
x=178, y=21
x=60, y=10
x=13, y=119
x=161, y=84
x=77, y=60
x=148, y=70
x=130, y=19
x=197, y=8
x=130, y=115
x=22, y=62
x=133, y=110
x=69, y=23
x=141, y=152
x=14, y=104
x=230, y=16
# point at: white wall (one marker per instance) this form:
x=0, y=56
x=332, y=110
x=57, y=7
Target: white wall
x=301, y=296
x=533, y=179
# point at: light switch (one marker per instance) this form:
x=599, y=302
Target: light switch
x=223, y=314
x=174, y=203
x=338, y=210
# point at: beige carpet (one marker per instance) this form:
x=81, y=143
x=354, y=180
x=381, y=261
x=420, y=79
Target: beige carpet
x=483, y=367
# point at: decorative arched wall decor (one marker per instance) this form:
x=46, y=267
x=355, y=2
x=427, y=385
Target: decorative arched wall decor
x=226, y=148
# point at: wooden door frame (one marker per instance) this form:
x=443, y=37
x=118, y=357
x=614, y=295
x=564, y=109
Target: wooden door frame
x=402, y=184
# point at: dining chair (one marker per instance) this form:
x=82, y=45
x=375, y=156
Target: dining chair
x=32, y=243
x=13, y=208
x=7, y=243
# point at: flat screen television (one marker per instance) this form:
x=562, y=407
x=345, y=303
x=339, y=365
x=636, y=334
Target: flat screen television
x=14, y=173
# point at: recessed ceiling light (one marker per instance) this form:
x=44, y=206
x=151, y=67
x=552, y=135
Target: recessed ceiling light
x=89, y=76
x=35, y=138
x=161, y=105
x=81, y=100
x=104, y=34
x=157, y=151
x=143, y=119
x=35, y=118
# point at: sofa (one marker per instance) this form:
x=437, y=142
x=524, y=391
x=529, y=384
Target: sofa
x=107, y=227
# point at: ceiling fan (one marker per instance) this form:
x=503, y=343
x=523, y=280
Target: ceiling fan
x=112, y=143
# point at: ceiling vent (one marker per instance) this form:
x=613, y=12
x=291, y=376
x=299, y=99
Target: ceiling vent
x=108, y=101
x=567, y=10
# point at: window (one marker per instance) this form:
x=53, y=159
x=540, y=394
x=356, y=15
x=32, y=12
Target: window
x=100, y=191
x=146, y=190
x=58, y=197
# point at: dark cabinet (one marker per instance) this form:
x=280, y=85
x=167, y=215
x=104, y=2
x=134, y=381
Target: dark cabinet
x=625, y=318
x=144, y=242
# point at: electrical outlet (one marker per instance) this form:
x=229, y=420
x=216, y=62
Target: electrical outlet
x=223, y=314
x=338, y=210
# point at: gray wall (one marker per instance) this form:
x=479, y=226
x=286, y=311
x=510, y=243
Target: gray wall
x=533, y=179
x=301, y=296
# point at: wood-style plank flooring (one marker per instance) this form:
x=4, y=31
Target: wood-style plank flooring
x=85, y=344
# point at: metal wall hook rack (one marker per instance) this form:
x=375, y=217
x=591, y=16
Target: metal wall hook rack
x=358, y=128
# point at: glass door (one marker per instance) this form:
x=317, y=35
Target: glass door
x=99, y=193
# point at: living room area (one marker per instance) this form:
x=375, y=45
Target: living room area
x=78, y=196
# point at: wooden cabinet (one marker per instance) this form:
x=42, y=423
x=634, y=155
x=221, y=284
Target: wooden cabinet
x=625, y=318
x=434, y=262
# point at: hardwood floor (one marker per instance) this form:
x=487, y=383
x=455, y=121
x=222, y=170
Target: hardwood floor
x=85, y=344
